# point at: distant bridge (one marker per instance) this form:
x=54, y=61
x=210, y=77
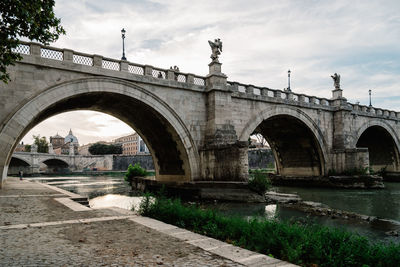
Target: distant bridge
x=30, y=162
x=197, y=127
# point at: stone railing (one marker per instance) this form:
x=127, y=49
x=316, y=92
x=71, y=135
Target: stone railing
x=35, y=49
x=373, y=111
x=276, y=95
x=280, y=95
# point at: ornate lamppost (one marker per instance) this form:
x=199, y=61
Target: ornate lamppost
x=369, y=91
x=123, y=44
x=288, y=75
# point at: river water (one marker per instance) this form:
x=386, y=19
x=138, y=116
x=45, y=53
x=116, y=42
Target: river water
x=106, y=191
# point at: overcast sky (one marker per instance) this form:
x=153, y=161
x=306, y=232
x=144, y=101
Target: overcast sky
x=261, y=40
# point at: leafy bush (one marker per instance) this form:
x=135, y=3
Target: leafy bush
x=259, y=182
x=134, y=171
x=303, y=244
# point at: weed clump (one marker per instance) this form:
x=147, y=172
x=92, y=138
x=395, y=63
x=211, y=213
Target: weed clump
x=134, y=171
x=259, y=182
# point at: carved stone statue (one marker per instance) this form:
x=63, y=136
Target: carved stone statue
x=336, y=80
x=216, y=49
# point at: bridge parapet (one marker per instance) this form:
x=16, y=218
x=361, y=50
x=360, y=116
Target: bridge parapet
x=48, y=52
x=371, y=111
x=239, y=89
x=289, y=97
x=278, y=96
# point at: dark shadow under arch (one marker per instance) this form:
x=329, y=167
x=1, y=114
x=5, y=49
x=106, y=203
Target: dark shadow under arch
x=383, y=152
x=295, y=148
x=56, y=166
x=153, y=128
x=17, y=164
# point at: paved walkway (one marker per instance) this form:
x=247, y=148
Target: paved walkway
x=41, y=226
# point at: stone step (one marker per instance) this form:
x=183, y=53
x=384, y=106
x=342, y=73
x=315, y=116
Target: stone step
x=82, y=200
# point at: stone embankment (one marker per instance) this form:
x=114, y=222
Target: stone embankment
x=356, y=181
x=200, y=190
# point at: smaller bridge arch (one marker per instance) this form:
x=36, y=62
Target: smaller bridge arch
x=55, y=164
x=382, y=143
x=17, y=164
x=297, y=142
x=54, y=160
x=22, y=159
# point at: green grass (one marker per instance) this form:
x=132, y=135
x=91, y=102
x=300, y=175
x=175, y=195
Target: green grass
x=303, y=244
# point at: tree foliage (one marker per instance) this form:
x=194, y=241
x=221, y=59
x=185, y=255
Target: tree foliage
x=27, y=148
x=32, y=19
x=41, y=143
x=103, y=149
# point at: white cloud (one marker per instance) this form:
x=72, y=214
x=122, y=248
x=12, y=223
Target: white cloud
x=87, y=126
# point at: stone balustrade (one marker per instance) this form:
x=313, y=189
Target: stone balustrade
x=243, y=90
x=373, y=111
x=269, y=94
x=35, y=49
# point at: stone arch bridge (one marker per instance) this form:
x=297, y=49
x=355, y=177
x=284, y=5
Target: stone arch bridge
x=30, y=162
x=196, y=127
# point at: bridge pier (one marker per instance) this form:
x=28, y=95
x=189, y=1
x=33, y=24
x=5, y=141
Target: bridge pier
x=223, y=157
x=225, y=162
x=350, y=159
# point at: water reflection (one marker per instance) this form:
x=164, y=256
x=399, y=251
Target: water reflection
x=91, y=186
x=112, y=200
x=270, y=211
x=383, y=203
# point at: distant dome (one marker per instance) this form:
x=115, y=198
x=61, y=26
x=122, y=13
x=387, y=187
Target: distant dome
x=57, y=136
x=71, y=138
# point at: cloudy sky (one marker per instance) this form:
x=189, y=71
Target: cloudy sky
x=261, y=41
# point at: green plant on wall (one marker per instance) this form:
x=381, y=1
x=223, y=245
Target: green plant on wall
x=134, y=171
x=259, y=182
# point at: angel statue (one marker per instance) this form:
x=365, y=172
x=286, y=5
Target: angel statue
x=216, y=49
x=336, y=80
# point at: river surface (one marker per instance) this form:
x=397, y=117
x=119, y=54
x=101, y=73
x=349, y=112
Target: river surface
x=383, y=203
x=106, y=191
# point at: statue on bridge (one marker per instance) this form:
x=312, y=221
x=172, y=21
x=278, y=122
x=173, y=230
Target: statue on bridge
x=216, y=49
x=336, y=80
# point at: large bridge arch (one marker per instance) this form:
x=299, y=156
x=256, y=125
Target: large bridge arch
x=174, y=152
x=309, y=136
x=382, y=142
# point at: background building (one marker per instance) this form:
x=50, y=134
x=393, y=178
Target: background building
x=20, y=147
x=132, y=144
x=61, y=144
